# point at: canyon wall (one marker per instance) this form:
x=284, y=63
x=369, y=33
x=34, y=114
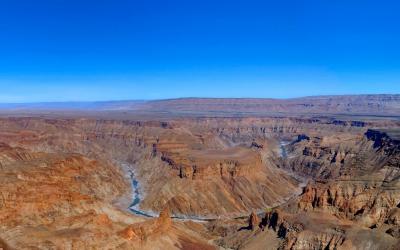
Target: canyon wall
x=211, y=168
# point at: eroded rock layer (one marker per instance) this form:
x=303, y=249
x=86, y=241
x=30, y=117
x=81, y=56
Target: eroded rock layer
x=197, y=167
x=65, y=201
x=351, y=201
x=307, y=183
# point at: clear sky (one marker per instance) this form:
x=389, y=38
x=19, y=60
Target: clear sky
x=70, y=50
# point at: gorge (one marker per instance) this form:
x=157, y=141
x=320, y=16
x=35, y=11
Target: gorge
x=146, y=179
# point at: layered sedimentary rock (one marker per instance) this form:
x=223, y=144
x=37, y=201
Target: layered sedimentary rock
x=198, y=168
x=56, y=200
x=366, y=179
x=228, y=180
x=351, y=200
x=65, y=201
x=142, y=230
x=360, y=194
x=205, y=167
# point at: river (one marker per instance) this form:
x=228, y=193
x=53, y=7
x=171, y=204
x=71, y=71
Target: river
x=134, y=207
x=282, y=149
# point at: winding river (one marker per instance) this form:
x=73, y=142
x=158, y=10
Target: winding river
x=134, y=207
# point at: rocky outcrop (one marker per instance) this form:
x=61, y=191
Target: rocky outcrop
x=223, y=164
x=382, y=139
x=394, y=232
x=276, y=220
x=331, y=157
x=203, y=167
x=164, y=221
x=368, y=205
x=253, y=221
x=356, y=180
x=48, y=200
x=297, y=234
x=321, y=230
x=393, y=217
x=143, y=230
x=311, y=240
x=366, y=189
x=66, y=201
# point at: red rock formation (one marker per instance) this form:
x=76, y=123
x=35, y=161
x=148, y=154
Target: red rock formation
x=394, y=217
x=230, y=179
x=253, y=221
x=151, y=228
x=198, y=167
x=164, y=220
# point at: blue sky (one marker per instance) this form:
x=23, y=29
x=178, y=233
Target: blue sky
x=72, y=50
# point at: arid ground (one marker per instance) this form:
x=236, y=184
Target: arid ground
x=306, y=173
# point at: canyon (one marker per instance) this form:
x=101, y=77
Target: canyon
x=305, y=173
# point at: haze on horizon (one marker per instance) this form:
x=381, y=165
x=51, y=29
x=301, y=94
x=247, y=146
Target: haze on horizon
x=120, y=50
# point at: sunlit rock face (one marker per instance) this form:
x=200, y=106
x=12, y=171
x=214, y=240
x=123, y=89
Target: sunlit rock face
x=66, y=182
x=361, y=192
x=63, y=197
x=363, y=186
x=68, y=201
x=201, y=168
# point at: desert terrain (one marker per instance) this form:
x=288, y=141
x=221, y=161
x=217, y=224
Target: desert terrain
x=193, y=173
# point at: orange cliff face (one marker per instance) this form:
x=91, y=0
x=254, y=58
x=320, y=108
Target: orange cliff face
x=141, y=231
x=187, y=164
x=48, y=200
x=223, y=163
x=352, y=199
x=42, y=181
x=62, y=178
x=209, y=178
x=63, y=201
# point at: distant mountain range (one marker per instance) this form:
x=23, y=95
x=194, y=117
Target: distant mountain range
x=346, y=104
x=100, y=105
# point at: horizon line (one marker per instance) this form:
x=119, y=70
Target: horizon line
x=194, y=97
